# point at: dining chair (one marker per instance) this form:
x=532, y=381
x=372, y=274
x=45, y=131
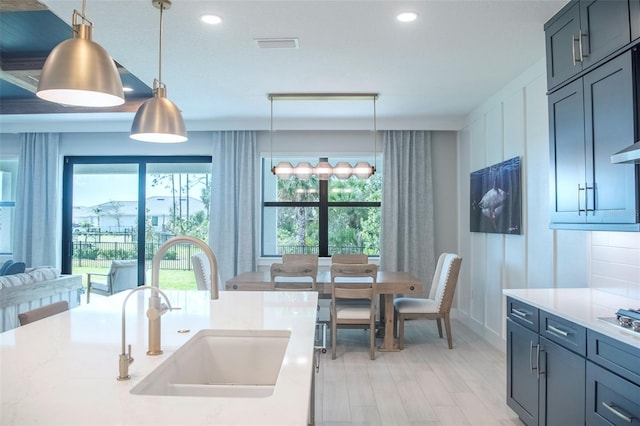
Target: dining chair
x=203, y=273
x=304, y=266
x=438, y=305
x=43, y=312
x=343, y=290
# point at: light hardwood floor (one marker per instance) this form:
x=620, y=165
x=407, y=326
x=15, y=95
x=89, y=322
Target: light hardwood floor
x=425, y=384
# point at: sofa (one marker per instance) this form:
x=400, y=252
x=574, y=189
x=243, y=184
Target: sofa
x=35, y=288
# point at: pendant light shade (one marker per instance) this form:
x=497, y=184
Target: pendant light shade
x=158, y=119
x=79, y=72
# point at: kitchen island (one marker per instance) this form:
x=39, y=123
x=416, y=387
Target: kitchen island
x=569, y=362
x=62, y=370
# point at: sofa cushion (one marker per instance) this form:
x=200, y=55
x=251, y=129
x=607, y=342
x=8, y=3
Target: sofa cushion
x=44, y=273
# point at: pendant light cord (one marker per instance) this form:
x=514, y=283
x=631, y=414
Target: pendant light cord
x=375, y=133
x=271, y=131
x=160, y=48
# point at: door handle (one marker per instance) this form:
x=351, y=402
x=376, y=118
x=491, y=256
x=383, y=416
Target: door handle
x=558, y=331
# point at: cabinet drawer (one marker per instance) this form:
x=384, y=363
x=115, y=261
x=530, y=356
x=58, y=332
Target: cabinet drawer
x=611, y=400
x=614, y=355
x=522, y=313
x=564, y=333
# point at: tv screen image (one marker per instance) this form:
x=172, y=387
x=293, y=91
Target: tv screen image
x=496, y=198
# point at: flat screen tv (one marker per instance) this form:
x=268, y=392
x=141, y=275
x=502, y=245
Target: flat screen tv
x=496, y=198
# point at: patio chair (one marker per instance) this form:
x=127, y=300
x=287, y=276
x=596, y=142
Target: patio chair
x=123, y=275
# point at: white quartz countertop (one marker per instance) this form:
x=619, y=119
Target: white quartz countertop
x=582, y=306
x=62, y=370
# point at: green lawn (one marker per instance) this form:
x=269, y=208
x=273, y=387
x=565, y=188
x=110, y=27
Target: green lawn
x=169, y=279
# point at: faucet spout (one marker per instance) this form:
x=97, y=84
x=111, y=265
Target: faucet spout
x=181, y=239
x=155, y=311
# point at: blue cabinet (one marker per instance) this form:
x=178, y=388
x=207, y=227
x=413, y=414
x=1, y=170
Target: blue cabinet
x=582, y=34
x=545, y=377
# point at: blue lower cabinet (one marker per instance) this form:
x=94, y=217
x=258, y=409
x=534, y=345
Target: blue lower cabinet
x=611, y=400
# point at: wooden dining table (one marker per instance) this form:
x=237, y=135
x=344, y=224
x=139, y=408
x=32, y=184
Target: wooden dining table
x=388, y=284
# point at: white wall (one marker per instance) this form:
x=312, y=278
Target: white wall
x=514, y=122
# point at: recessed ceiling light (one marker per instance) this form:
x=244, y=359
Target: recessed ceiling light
x=407, y=16
x=211, y=19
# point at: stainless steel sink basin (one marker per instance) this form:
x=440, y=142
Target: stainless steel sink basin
x=220, y=363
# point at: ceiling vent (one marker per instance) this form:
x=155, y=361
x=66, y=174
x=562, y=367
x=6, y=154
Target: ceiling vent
x=277, y=43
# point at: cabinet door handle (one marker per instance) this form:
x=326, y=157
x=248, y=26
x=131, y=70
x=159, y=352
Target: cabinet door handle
x=538, y=350
x=573, y=50
x=586, y=199
x=616, y=411
x=557, y=331
x=585, y=190
x=531, y=358
x=582, y=54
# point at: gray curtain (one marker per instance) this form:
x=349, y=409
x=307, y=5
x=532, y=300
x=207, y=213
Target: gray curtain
x=235, y=197
x=36, y=237
x=406, y=238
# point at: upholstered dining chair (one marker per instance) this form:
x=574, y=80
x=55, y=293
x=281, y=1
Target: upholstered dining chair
x=438, y=305
x=303, y=266
x=343, y=290
x=43, y=312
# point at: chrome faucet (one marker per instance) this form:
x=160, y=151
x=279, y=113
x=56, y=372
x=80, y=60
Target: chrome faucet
x=156, y=309
x=213, y=263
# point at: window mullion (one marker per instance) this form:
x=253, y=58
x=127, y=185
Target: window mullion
x=323, y=219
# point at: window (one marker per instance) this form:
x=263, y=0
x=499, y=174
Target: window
x=324, y=217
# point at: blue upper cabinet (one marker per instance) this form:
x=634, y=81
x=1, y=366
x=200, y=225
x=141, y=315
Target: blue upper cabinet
x=582, y=34
x=634, y=18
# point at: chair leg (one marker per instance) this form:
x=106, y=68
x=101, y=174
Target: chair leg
x=400, y=331
x=372, y=340
x=447, y=325
x=333, y=338
x=439, y=322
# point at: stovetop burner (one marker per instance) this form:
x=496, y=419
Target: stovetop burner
x=628, y=319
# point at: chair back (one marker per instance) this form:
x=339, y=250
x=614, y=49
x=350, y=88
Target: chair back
x=123, y=275
x=303, y=266
x=300, y=258
x=349, y=258
x=353, y=280
x=445, y=280
x=202, y=271
x=43, y=312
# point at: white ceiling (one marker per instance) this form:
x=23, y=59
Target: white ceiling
x=429, y=73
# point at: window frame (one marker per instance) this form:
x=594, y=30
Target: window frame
x=323, y=206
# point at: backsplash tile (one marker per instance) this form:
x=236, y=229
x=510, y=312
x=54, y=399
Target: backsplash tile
x=615, y=262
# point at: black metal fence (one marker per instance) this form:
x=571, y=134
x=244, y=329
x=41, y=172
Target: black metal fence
x=101, y=254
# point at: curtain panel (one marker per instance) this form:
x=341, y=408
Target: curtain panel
x=235, y=198
x=407, y=234
x=37, y=214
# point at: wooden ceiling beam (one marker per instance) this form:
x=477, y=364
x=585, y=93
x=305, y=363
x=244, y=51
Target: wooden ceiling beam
x=21, y=5
x=39, y=106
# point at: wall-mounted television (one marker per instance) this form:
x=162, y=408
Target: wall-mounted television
x=496, y=198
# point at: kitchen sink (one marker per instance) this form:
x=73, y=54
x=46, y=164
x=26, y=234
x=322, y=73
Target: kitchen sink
x=220, y=363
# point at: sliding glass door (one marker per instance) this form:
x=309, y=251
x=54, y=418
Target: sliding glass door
x=125, y=208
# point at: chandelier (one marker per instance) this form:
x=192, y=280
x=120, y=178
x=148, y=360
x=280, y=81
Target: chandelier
x=324, y=170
